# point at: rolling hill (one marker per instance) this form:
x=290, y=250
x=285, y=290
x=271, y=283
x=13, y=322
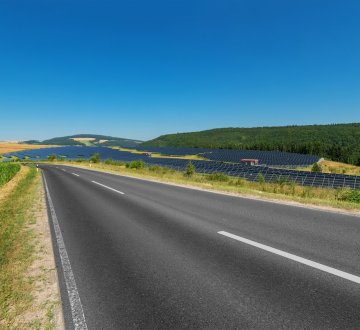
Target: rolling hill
x=88, y=140
x=338, y=142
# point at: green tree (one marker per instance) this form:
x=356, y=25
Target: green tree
x=260, y=178
x=51, y=158
x=137, y=164
x=316, y=168
x=95, y=158
x=190, y=169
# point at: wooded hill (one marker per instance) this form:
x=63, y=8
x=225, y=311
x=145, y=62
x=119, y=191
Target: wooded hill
x=88, y=140
x=339, y=142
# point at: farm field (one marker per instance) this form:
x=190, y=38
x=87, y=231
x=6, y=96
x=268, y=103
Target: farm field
x=6, y=147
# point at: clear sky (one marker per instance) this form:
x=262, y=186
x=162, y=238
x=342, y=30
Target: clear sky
x=139, y=69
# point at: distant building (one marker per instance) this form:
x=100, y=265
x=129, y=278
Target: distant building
x=250, y=161
x=147, y=154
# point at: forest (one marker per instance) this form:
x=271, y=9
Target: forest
x=338, y=142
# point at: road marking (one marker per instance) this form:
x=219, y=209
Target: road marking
x=75, y=174
x=77, y=312
x=100, y=184
x=63, y=170
x=330, y=270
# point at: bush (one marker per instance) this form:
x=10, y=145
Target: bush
x=349, y=195
x=260, y=178
x=155, y=168
x=190, y=169
x=51, y=158
x=95, y=158
x=137, y=164
x=316, y=168
x=217, y=177
x=109, y=161
x=7, y=172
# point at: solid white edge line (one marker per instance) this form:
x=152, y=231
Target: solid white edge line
x=100, y=184
x=75, y=174
x=313, y=264
x=77, y=312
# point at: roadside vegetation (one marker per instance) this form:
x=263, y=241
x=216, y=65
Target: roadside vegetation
x=8, y=171
x=21, y=249
x=279, y=189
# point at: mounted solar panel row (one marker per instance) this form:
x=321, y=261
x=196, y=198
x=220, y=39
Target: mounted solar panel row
x=269, y=158
x=232, y=169
x=173, y=151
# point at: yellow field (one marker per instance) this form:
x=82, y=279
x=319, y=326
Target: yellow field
x=13, y=146
x=82, y=139
x=329, y=166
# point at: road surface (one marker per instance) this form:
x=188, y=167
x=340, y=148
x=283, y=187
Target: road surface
x=134, y=254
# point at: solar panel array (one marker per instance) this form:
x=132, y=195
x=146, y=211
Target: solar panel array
x=173, y=151
x=268, y=158
x=247, y=172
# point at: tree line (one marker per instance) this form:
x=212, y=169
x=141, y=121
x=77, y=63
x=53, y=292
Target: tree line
x=338, y=142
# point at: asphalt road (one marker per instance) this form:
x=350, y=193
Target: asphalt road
x=146, y=255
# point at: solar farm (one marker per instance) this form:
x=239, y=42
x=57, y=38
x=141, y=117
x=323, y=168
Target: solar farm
x=227, y=162
x=268, y=158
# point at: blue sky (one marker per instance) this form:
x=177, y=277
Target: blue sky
x=140, y=69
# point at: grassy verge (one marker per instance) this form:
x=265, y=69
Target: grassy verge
x=22, y=275
x=7, y=172
x=335, y=198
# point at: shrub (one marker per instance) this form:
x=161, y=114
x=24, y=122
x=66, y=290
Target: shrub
x=349, y=195
x=217, y=177
x=316, y=168
x=155, y=168
x=260, y=178
x=190, y=169
x=137, y=164
x=95, y=158
x=51, y=158
x=109, y=161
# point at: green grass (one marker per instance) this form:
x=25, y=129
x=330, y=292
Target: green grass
x=7, y=172
x=16, y=250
